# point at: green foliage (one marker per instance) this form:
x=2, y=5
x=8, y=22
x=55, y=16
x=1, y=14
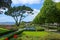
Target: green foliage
x=40, y=29
x=5, y=3
x=52, y=28
x=49, y=13
x=21, y=9
x=58, y=5
x=40, y=36
x=58, y=12
x=58, y=29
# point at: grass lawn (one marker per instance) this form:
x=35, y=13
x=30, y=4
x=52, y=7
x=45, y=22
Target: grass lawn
x=3, y=30
x=33, y=35
x=36, y=35
x=42, y=33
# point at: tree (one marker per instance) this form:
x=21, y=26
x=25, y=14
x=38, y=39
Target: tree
x=5, y=3
x=40, y=18
x=19, y=13
x=50, y=11
x=58, y=14
x=47, y=13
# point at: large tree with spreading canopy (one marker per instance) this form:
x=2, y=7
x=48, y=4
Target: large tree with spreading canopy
x=19, y=13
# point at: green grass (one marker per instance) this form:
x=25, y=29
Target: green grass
x=3, y=30
x=42, y=33
x=33, y=35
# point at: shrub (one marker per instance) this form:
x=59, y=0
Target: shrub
x=52, y=27
x=16, y=33
x=58, y=29
x=7, y=32
x=40, y=29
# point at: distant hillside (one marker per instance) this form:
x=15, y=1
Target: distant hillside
x=7, y=23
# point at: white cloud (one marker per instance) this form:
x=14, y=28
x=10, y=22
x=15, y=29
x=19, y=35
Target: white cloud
x=56, y=0
x=5, y=18
x=36, y=11
x=3, y=11
x=31, y=17
x=26, y=1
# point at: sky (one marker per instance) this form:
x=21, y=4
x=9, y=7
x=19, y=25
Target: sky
x=36, y=5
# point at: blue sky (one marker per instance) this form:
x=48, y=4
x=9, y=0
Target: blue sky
x=34, y=4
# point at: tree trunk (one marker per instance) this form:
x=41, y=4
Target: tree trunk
x=20, y=20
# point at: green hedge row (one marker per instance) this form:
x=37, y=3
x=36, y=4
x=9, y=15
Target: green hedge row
x=7, y=32
x=11, y=35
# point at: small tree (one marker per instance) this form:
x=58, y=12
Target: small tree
x=19, y=13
